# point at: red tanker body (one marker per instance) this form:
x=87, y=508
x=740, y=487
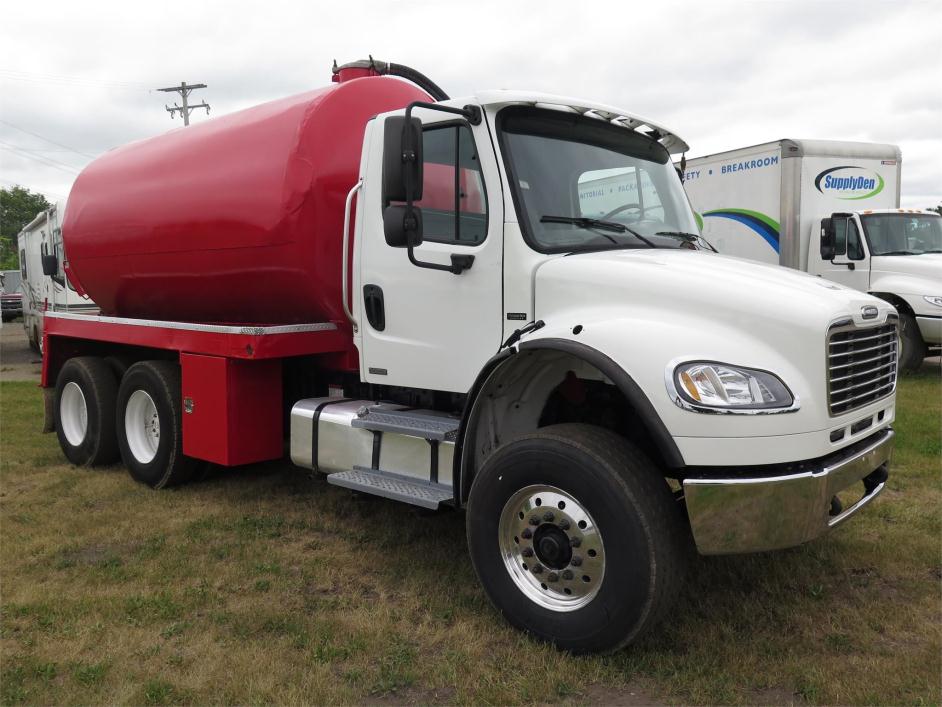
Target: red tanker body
x=234, y=220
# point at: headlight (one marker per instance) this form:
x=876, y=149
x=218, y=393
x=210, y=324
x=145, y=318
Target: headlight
x=706, y=386
x=934, y=299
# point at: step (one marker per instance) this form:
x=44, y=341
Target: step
x=415, y=423
x=399, y=488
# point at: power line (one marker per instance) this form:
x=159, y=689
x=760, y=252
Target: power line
x=39, y=158
x=184, y=90
x=34, y=191
x=49, y=140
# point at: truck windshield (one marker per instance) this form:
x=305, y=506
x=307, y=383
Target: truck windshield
x=903, y=234
x=585, y=184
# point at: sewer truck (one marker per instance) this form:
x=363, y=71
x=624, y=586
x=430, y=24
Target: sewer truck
x=498, y=304
x=831, y=209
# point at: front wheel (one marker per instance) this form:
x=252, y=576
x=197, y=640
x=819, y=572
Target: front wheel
x=912, y=347
x=576, y=537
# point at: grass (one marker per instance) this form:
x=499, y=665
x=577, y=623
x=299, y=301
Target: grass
x=261, y=585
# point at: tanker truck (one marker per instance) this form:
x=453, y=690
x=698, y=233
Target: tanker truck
x=498, y=304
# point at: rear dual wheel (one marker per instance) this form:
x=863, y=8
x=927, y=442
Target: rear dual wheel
x=98, y=419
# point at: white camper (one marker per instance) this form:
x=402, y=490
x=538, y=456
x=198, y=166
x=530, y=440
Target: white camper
x=42, y=293
x=831, y=209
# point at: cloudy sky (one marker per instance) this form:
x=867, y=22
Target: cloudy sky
x=77, y=78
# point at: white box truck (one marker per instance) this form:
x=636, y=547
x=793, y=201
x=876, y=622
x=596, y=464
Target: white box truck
x=831, y=209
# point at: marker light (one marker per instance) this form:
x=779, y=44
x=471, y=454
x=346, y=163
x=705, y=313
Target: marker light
x=934, y=299
x=723, y=387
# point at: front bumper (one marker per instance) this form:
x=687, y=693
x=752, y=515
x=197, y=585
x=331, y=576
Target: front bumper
x=753, y=513
x=930, y=328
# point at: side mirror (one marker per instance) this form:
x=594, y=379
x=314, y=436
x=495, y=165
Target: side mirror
x=402, y=159
x=828, y=238
x=401, y=230
x=50, y=265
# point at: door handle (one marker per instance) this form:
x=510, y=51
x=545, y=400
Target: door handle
x=375, y=306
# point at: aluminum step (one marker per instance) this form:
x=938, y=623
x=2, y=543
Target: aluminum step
x=399, y=488
x=415, y=423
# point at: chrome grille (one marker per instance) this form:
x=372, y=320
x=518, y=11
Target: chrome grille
x=862, y=365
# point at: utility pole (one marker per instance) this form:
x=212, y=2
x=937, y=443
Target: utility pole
x=184, y=90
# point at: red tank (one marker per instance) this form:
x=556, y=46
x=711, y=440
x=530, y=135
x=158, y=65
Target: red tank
x=237, y=219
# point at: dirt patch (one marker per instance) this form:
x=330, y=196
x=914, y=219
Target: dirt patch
x=18, y=362
x=629, y=696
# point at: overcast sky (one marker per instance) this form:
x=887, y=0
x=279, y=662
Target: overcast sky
x=76, y=78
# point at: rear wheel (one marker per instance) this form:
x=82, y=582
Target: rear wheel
x=576, y=537
x=84, y=407
x=149, y=425
x=912, y=348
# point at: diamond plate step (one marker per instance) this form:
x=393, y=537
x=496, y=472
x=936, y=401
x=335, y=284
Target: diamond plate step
x=398, y=488
x=415, y=423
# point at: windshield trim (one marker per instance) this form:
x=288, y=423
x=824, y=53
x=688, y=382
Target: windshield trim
x=507, y=156
x=891, y=254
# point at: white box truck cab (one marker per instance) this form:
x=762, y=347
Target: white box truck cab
x=528, y=328
x=831, y=209
x=46, y=286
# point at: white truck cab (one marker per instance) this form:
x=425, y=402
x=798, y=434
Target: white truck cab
x=787, y=202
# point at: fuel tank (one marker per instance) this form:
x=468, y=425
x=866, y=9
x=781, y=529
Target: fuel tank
x=237, y=219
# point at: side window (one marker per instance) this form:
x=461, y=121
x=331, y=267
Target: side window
x=855, y=250
x=454, y=203
x=840, y=236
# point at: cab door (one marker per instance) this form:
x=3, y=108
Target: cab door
x=424, y=328
x=850, y=265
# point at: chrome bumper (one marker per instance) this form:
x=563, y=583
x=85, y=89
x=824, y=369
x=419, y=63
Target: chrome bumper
x=734, y=515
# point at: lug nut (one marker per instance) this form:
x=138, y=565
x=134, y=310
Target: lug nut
x=576, y=561
x=552, y=577
x=526, y=534
x=575, y=542
x=537, y=569
x=534, y=520
x=564, y=524
x=567, y=574
x=528, y=552
x=548, y=517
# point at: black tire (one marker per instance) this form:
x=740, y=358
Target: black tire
x=98, y=387
x=913, y=349
x=119, y=364
x=160, y=380
x=642, y=528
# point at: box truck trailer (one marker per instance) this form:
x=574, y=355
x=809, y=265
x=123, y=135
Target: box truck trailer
x=831, y=209
x=46, y=292
x=498, y=304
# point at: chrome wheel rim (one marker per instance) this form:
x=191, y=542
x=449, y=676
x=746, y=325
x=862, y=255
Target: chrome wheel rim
x=552, y=548
x=142, y=426
x=73, y=414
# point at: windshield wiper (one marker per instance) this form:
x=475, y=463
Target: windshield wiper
x=597, y=224
x=583, y=222
x=899, y=252
x=689, y=237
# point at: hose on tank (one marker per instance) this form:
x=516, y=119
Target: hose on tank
x=385, y=68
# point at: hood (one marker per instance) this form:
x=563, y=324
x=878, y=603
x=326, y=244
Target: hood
x=907, y=274
x=706, y=286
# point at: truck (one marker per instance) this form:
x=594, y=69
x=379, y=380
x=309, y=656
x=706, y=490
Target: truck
x=45, y=292
x=403, y=292
x=11, y=298
x=829, y=208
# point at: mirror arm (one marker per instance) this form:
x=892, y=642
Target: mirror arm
x=471, y=113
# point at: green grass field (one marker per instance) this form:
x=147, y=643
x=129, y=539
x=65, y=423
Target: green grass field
x=261, y=585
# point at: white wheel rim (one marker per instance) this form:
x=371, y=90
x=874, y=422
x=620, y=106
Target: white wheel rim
x=73, y=414
x=142, y=426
